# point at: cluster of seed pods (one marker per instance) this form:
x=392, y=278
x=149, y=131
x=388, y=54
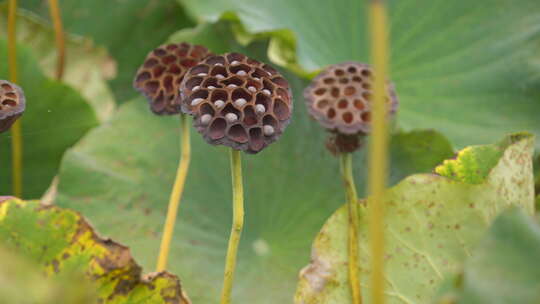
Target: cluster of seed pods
x=339, y=98
x=237, y=101
x=162, y=72
x=12, y=104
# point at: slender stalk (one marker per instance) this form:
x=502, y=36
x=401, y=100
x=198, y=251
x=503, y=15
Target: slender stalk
x=378, y=149
x=236, y=230
x=16, y=132
x=352, y=204
x=54, y=10
x=176, y=194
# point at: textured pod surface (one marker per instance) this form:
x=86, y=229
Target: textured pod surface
x=237, y=101
x=339, y=98
x=162, y=72
x=12, y=104
x=338, y=143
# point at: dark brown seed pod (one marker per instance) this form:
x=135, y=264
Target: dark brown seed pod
x=237, y=101
x=12, y=104
x=339, y=98
x=162, y=72
x=338, y=143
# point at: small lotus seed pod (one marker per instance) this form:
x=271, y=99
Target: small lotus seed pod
x=340, y=97
x=12, y=104
x=338, y=143
x=250, y=104
x=162, y=72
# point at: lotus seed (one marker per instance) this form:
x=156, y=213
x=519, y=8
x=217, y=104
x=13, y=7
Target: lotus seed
x=241, y=73
x=218, y=64
x=240, y=102
x=231, y=117
x=219, y=104
x=268, y=130
x=232, y=85
x=195, y=88
x=202, y=74
x=267, y=92
x=252, y=89
x=260, y=108
x=205, y=119
x=219, y=76
x=196, y=101
x=211, y=87
x=235, y=62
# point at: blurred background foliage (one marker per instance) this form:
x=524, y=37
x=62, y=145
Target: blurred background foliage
x=465, y=73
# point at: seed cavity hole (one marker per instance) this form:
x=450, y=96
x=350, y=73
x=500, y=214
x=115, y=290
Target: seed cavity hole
x=238, y=134
x=217, y=128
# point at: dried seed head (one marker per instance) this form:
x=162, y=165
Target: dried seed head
x=250, y=103
x=162, y=72
x=339, y=98
x=338, y=143
x=12, y=104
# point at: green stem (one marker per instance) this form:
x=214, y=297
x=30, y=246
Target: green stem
x=352, y=206
x=16, y=133
x=176, y=194
x=378, y=149
x=236, y=230
x=54, y=10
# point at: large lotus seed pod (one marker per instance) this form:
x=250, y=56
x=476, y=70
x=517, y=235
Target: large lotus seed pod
x=237, y=101
x=162, y=72
x=340, y=97
x=12, y=104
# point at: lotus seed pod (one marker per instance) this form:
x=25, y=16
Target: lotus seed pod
x=338, y=143
x=12, y=104
x=249, y=102
x=162, y=72
x=340, y=97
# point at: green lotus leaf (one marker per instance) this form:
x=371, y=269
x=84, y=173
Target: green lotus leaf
x=467, y=69
x=87, y=66
x=62, y=241
x=56, y=117
x=128, y=29
x=120, y=177
x=432, y=224
x=23, y=283
x=501, y=267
